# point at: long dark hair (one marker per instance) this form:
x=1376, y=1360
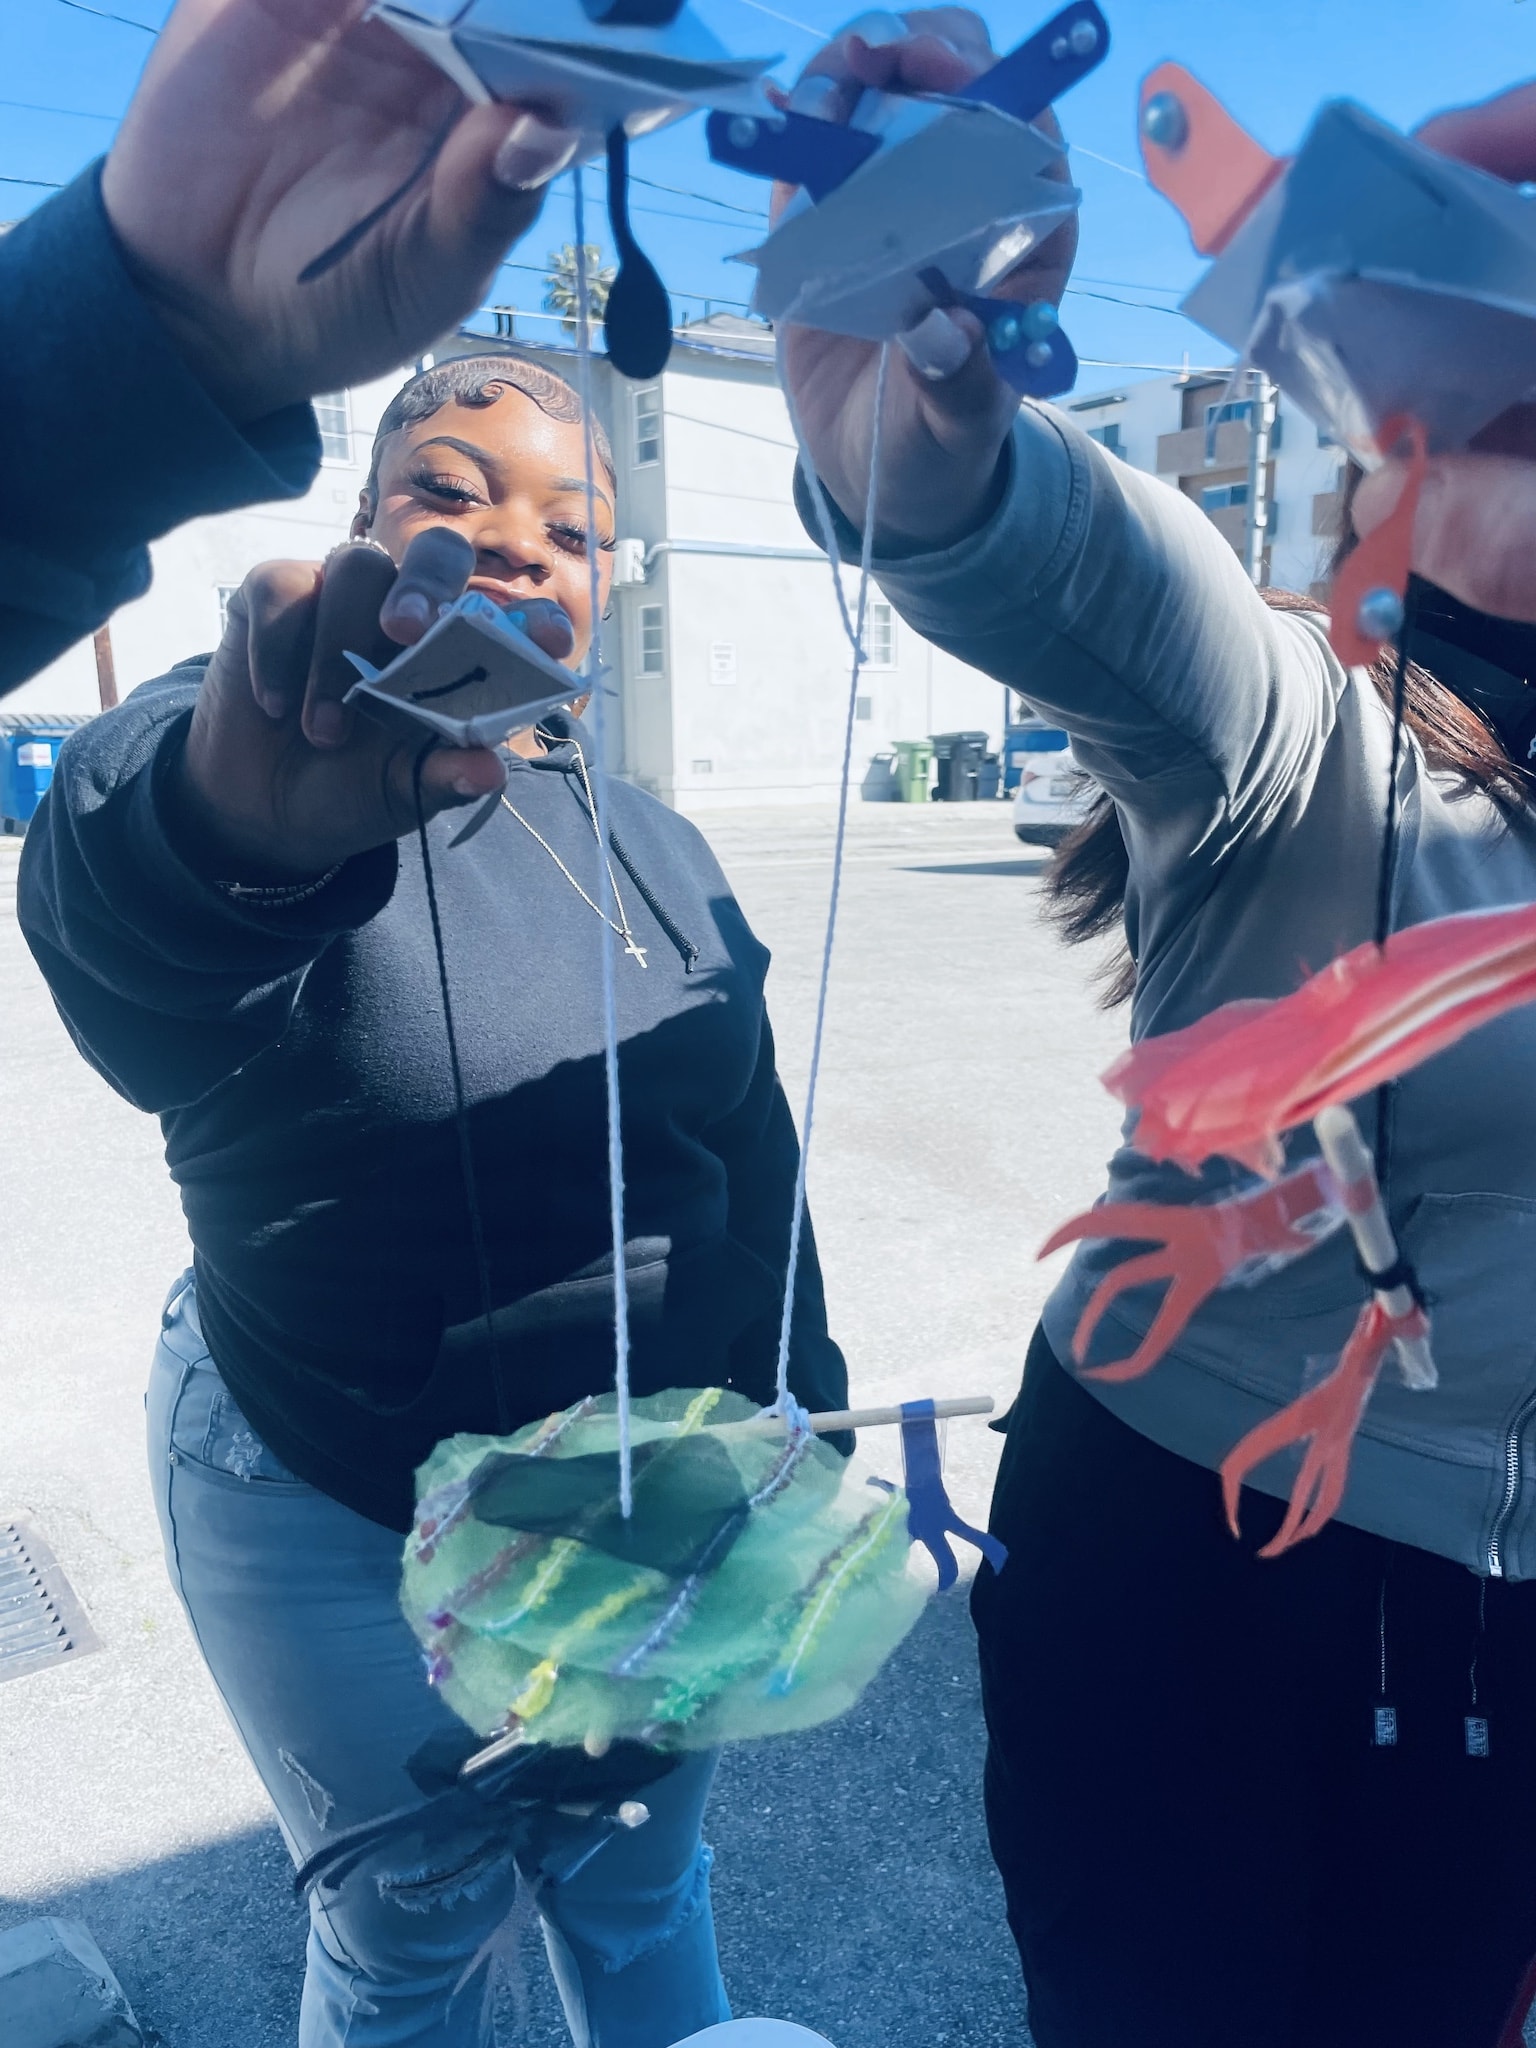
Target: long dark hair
x=1086, y=881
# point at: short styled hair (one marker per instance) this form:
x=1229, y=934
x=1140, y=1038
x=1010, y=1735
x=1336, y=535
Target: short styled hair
x=479, y=381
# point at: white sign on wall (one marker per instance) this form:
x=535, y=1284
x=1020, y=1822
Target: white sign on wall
x=722, y=661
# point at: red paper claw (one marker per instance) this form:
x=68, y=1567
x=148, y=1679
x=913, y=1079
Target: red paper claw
x=1325, y=1419
x=1231, y=1084
x=1378, y=566
x=1203, y=1245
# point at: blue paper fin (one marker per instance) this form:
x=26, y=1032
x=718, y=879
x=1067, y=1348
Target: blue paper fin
x=1025, y=342
x=1039, y=71
x=931, y=1517
x=796, y=148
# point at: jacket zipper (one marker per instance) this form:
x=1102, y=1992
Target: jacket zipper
x=1511, y=1487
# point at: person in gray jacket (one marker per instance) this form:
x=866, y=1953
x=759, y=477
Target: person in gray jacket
x=1235, y=1801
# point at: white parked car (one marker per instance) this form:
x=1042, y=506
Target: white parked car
x=1052, y=794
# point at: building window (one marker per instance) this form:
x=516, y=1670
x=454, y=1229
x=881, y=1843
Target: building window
x=1218, y=497
x=647, y=427
x=880, y=635
x=1240, y=409
x=224, y=592
x=1109, y=436
x=864, y=708
x=334, y=419
x=653, y=641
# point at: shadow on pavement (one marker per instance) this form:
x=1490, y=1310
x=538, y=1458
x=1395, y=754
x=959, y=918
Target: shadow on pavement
x=853, y=1891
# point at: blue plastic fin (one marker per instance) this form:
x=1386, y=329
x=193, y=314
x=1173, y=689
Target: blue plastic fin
x=1025, y=342
x=1051, y=62
x=1035, y=369
x=931, y=1517
x=796, y=148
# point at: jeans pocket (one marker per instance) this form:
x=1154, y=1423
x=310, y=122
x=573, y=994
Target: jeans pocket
x=208, y=1430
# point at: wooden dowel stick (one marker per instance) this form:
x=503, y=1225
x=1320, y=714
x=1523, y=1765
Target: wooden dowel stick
x=1353, y=1168
x=862, y=1418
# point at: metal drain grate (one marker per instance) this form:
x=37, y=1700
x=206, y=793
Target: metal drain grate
x=41, y=1621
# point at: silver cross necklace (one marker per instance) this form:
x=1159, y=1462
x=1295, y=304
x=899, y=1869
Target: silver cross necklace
x=621, y=929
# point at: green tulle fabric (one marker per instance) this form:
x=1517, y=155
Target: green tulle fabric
x=758, y=1585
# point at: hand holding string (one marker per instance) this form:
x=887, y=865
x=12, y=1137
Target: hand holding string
x=948, y=413
x=263, y=130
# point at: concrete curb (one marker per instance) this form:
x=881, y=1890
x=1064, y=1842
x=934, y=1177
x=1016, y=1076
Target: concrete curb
x=57, y=1991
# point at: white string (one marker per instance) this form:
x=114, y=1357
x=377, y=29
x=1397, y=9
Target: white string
x=853, y=627
x=605, y=880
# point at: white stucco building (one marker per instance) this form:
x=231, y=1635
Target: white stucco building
x=731, y=664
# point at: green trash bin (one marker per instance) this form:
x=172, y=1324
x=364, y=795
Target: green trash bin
x=914, y=767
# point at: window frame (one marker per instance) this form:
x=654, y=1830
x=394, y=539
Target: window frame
x=656, y=615
x=328, y=456
x=887, y=613
x=641, y=420
x=1222, y=495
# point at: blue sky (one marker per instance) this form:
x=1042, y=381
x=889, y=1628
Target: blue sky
x=1271, y=63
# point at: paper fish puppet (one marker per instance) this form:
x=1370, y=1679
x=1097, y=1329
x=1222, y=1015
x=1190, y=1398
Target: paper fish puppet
x=924, y=202
x=1369, y=277
x=610, y=69
x=473, y=678
x=630, y=64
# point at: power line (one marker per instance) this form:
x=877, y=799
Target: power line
x=756, y=213
x=1140, y=305
x=74, y=113
x=43, y=184
x=102, y=14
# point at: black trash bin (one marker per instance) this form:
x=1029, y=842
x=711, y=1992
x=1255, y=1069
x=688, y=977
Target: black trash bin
x=989, y=779
x=957, y=759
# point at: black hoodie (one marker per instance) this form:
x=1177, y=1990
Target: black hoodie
x=298, y=1062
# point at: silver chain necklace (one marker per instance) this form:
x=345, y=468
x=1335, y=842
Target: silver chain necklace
x=620, y=930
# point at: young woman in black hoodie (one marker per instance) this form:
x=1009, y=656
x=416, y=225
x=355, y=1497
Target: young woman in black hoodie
x=225, y=889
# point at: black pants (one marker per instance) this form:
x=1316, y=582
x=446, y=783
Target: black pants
x=1201, y=1844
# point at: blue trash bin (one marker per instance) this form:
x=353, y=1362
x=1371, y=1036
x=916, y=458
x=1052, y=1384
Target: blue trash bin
x=1034, y=736
x=27, y=758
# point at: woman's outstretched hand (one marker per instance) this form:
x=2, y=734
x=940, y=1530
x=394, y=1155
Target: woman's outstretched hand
x=261, y=133
x=947, y=412
x=280, y=779
x=1475, y=532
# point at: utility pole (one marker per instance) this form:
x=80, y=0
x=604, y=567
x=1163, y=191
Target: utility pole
x=1261, y=423
x=106, y=667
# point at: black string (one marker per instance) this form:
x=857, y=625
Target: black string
x=460, y=1110
x=345, y=244
x=1386, y=875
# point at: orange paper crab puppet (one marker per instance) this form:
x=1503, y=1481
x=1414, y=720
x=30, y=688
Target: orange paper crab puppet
x=1231, y=1086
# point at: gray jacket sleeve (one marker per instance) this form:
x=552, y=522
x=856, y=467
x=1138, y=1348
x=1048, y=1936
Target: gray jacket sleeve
x=1112, y=604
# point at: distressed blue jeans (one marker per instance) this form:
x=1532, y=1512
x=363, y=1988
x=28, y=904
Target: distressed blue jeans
x=293, y=1600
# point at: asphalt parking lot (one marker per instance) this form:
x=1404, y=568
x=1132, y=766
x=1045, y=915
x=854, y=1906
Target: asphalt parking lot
x=959, y=1119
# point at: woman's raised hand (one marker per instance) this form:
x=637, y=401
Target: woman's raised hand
x=947, y=412
x=280, y=780
x=1475, y=531
x=261, y=133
